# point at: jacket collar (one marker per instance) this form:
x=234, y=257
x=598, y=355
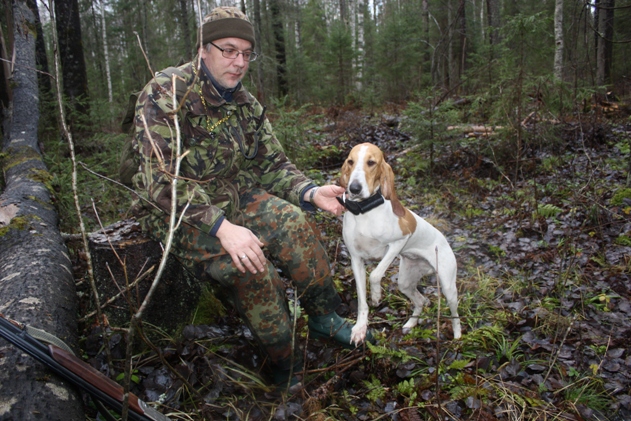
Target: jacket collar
x=362, y=206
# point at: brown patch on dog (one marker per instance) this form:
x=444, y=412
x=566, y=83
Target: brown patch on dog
x=407, y=224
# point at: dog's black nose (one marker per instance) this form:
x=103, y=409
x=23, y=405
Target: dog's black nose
x=355, y=187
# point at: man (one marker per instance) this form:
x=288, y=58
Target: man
x=239, y=194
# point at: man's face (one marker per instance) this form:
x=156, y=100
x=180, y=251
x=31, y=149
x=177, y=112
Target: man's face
x=228, y=72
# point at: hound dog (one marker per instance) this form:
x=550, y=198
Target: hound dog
x=378, y=227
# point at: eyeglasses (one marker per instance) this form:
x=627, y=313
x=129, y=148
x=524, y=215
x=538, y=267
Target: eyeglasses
x=232, y=53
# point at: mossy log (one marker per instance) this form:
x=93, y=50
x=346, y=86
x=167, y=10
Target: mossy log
x=36, y=282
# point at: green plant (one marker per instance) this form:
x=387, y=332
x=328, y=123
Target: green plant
x=623, y=240
x=546, y=210
x=97, y=155
x=602, y=301
x=300, y=141
x=496, y=251
x=471, y=212
x=482, y=338
x=507, y=350
x=134, y=377
x=407, y=388
x=420, y=334
x=376, y=391
x=587, y=391
x=428, y=122
x=549, y=163
x=618, y=198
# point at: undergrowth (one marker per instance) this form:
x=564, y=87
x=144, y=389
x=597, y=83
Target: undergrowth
x=517, y=320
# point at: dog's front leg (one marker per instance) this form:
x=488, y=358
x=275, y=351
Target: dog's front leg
x=358, y=333
x=377, y=274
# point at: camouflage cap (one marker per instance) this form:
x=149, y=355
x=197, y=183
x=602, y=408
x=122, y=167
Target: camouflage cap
x=227, y=22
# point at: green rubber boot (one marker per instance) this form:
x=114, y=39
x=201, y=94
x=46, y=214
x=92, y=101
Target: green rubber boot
x=283, y=382
x=332, y=326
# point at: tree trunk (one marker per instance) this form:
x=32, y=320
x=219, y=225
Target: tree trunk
x=36, y=282
x=595, y=23
x=106, y=55
x=358, y=31
x=462, y=24
x=75, y=79
x=558, y=40
x=41, y=60
x=448, y=76
x=260, y=87
x=186, y=31
x=279, y=44
x=605, y=42
x=493, y=13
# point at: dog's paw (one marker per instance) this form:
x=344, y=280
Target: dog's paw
x=407, y=327
x=457, y=328
x=375, y=296
x=358, y=334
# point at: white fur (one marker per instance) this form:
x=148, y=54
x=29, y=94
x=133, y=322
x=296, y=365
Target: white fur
x=377, y=235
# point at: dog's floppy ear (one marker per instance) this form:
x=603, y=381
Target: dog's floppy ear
x=388, y=190
x=344, y=175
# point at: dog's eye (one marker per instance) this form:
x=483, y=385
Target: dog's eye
x=371, y=163
x=350, y=162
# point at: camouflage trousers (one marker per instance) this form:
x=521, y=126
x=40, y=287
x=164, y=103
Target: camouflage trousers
x=292, y=244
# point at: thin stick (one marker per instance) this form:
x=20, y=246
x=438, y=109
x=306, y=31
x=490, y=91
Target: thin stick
x=558, y=351
x=438, y=336
x=68, y=135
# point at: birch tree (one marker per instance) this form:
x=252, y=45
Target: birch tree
x=105, y=53
x=558, y=40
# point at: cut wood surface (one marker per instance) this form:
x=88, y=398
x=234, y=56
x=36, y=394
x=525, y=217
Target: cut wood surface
x=125, y=263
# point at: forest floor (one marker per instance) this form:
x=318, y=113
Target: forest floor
x=544, y=252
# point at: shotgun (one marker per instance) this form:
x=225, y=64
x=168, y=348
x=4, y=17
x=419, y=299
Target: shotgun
x=61, y=361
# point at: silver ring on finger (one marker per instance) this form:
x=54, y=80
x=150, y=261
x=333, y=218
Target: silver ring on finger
x=243, y=257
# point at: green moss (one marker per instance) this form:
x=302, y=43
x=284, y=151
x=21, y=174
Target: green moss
x=44, y=177
x=623, y=240
x=45, y=205
x=18, y=223
x=209, y=308
x=617, y=199
x=19, y=155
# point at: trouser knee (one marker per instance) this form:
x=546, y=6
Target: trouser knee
x=261, y=303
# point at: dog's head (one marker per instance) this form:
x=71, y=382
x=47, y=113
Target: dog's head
x=366, y=170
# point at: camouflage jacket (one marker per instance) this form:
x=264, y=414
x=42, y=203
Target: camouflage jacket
x=229, y=147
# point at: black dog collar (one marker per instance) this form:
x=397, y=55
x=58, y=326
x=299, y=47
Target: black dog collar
x=363, y=206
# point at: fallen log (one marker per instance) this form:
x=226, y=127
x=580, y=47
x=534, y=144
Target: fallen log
x=475, y=130
x=36, y=282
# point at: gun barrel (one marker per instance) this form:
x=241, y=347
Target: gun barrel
x=94, y=377
x=78, y=373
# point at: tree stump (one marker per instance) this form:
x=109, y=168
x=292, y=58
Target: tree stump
x=125, y=263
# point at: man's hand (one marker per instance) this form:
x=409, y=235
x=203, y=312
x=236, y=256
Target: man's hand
x=243, y=246
x=325, y=199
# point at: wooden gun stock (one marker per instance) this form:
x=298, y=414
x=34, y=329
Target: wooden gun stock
x=63, y=363
x=94, y=377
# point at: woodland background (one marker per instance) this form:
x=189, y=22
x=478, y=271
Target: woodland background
x=507, y=124
x=352, y=52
